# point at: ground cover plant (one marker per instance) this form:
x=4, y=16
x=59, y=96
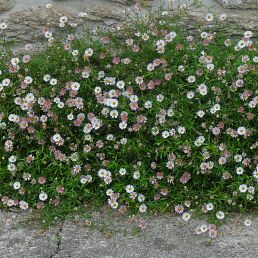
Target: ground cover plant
x=147, y=117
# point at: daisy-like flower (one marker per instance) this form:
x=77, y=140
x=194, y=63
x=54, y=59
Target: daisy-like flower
x=122, y=171
x=239, y=170
x=238, y=158
x=16, y=185
x=47, y=77
x=248, y=34
x=53, y=81
x=243, y=188
x=88, y=52
x=57, y=137
x=203, y=228
x=190, y=94
x=223, y=17
x=209, y=17
x=165, y=134
x=181, y=130
x=129, y=188
x=63, y=19
x=191, y=79
x=220, y=215
x=3, y=26
x=6, y=82
x=23, y=205
x=43, y=196
x=213, y=233
x=248, y=222
x=186, y=216
x=241, y=130
x=75, y=86
x=141, y=198
x=209, y=206
x=12, y=159
x=142, y=208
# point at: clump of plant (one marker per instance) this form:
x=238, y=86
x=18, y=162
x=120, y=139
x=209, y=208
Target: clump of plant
x=145, y=117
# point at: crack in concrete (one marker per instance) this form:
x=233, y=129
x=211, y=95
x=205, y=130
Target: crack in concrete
x=59, y=240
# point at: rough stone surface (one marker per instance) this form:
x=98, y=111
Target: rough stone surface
x=27, y=18
x=6, y=4
x=241, y=4
x=113, y=236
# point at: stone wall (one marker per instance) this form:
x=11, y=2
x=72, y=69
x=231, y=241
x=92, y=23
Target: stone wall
x=27, y=18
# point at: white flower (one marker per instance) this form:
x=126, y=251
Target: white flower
x=88, y=52
x=150, y=67
x=209, y=206
x=239, y=170
x=204, y=35
x=136, y=175
x=203, y=228
x=75, y=86
x=148, y=104
x=241, y=130
x=15, y=61
x=190, y=94
x=70, y=116
x=123, y=141
x=23, y=205
x=43, y=196
x=243, y=188
x=186, y=216
x=48, y=34
x=216, y=107
x=248, y=222
x=220, y=215
x=248, y=34
x=200, y=113
x=209, y=17
x=120, y=85
x=97, y=90
x=238, y=158
x=63, y=19
x=47, y=77
x=165, y=134
x=170, y=112
x=181, y=68
x=113, y=103
x=12, y=159
x=142, y=208
x=160, y=98
x=60, y=104
x=154, y=131
x=16, y=185
x=11, y=167
x=181, y=130
x=114, y=113
x=133, y=98
x=141, y=198
x=53, y=81
x=129, y=188
x=191, y=79
x=255, y=173
x=109, y=192
x=122, y=171
x=57, y=137
x=6, y=82
x=223, y=17
x=3, y=25
x=122, y=125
